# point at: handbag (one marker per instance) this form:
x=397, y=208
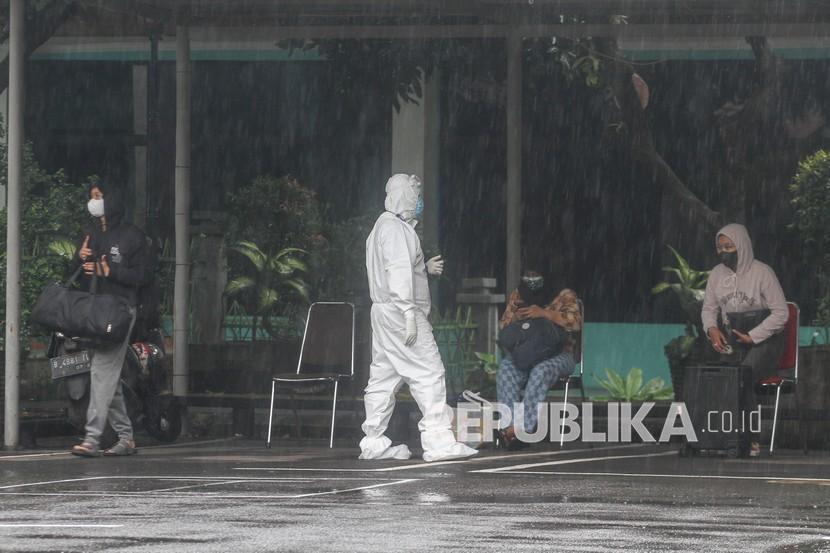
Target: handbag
x=81, y=314
x=744, y=321
x=531, y=341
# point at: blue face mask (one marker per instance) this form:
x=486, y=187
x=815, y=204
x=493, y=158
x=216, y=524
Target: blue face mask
x=419, y=208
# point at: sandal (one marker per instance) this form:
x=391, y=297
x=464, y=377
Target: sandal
x=121, y=449
x=509, y=441
x=85, y=449
x=755, y=449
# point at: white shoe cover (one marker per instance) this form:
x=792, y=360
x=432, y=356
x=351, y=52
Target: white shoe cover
x=455, y=451
x=381, y=448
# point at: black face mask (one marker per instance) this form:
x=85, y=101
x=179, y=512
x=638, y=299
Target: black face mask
x=535, y=296
x=730, y=259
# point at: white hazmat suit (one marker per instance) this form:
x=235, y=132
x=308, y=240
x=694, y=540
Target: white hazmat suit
x=403, y=347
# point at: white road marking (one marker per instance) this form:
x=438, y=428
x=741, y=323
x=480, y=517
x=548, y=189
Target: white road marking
x=516, y=468
x=769, y=479
x=187, y=479
x=201, y=485
x=440, y=463
x=203, y=481
x=61, y=525
x=217, y=495
x=53, y=482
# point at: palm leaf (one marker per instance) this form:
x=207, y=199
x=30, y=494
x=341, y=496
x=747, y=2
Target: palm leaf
x=660, y=288
x=299, y=287
x=290, y=251
x=296, y=264
x=268, y=297
x=633, y=383
x=63, y=248
x=238, y=285
x=252, y=252
x=682, y=264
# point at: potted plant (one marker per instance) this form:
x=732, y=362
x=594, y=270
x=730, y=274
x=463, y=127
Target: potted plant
x=689, y=288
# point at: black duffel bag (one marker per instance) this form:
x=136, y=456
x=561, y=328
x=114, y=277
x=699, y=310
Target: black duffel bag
x=531, y=341
x=80, y=314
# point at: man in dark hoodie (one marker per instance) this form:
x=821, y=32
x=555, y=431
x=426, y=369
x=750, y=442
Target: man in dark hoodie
x=115, y=252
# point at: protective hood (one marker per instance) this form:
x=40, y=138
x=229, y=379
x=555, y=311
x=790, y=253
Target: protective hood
x=402, y=193
x=113, y=205
x=740, y=237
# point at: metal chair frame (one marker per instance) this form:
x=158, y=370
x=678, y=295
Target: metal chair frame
x=299, y=378
x=781, y=382
x=577, y=378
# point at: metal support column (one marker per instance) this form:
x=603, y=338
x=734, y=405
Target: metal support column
x=181, y=303
x=514, y=162
x=11, y=433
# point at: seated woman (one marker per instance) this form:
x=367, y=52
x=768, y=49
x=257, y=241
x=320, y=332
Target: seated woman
x=533, y=300
x=741, y=287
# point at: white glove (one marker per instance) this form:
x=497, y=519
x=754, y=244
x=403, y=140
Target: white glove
x=411, y=327
x=435, y=266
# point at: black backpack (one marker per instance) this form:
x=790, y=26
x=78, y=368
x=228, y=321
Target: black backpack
x=531, y=341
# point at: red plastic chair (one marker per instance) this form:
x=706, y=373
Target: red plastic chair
x=786, y=381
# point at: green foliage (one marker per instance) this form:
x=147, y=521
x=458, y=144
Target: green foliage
x=52, y=211
x=274, y=222
x=822, y=318
x=273, y=285
x=679, y=349
x=689, y=288
x=810, y=191
x=275, y=213
x=631, y=387
x=577, y=60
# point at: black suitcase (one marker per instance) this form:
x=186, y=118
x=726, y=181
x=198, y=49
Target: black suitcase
x=714, y=397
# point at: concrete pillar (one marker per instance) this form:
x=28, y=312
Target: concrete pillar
x=140, y=148
x=514, y=162
x=415, y=150
x=15, y=139
x=181, y=301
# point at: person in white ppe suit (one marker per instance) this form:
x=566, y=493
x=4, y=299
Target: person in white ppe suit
x=403, y=347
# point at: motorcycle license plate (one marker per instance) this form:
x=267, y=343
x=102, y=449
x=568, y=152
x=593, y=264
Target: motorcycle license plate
x=70, y=364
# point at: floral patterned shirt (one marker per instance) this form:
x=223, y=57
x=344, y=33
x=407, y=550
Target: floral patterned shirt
x=564, y=310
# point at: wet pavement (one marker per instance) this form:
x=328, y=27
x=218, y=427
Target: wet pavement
x=235, y=495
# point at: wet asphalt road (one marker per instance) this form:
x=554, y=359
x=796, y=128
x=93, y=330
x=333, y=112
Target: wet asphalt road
x=237, y=496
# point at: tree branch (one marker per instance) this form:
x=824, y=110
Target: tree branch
x=641, y=139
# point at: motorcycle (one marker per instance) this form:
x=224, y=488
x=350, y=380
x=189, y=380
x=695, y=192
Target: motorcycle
x=145, y=380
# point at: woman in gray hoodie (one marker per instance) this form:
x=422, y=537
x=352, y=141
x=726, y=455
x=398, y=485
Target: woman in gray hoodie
x=741, y=284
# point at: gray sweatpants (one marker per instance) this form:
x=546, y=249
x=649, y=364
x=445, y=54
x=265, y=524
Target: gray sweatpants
x=106, y=398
